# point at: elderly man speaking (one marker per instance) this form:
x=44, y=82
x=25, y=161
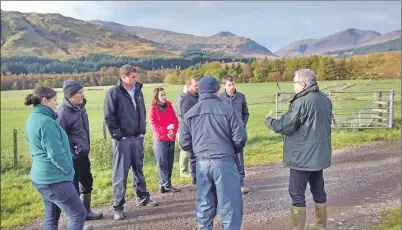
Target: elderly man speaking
x=307, y=146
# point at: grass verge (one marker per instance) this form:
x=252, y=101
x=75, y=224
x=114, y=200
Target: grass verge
x=391, y=220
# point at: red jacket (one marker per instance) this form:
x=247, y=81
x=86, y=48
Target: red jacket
x=160, y=120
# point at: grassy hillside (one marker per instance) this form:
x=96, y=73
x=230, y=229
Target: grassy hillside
x=56, y=36
x=392, y=45
x=342, y=40
x=222, y=42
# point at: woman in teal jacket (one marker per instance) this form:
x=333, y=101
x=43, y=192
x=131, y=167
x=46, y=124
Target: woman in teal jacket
x=52, y=169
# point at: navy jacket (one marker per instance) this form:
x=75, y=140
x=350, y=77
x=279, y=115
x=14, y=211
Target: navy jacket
x=212, y=130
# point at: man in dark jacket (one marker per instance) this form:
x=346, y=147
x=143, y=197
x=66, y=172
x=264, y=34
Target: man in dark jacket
x=236, y=99
x=73, y=117
x=213, y=132
x=125, y=117
x=307, y=146
x=187, y=100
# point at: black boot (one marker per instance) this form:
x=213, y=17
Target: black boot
x=86, y=200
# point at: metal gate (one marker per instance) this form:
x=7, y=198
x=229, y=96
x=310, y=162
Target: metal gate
x=352, y=109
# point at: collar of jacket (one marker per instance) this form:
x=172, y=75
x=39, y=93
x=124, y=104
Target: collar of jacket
x=227, y=95
x=207, y=96
x=74, y=107
x=46, y=110
x=311, y=88
x=137, y=85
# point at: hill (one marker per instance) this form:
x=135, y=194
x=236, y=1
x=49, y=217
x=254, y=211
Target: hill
x=383, y=38
x=223, y=41
x=392, y=45
x=342, y=40
x=60, y=37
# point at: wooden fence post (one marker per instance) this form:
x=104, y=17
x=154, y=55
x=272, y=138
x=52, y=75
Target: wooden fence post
x=15, y=141
x=104, y=130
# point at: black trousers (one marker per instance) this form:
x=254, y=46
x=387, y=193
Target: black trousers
x=297, y=186
x=83, y=179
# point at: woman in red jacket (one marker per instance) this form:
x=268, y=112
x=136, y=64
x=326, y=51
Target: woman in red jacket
x=164, y=125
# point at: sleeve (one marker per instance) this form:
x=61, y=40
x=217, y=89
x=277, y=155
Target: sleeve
x=63, y=122
x=110, y=116
x=184, y=106
x=53, y=145
x=245, y=111
x=239, y=135
x=289, y=122
x=185, y=137
x=156, y=127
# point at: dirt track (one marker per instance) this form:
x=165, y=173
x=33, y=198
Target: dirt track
x=361, y=183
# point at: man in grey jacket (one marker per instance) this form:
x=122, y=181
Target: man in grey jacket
x=213, y=133
x=236, y=99
x=73, y=117
x=307, y=146
x=183, y=156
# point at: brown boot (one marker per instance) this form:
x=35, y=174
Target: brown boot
x=298, y=218
x=321, y=216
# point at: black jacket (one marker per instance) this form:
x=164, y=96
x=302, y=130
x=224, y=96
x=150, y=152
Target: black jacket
x=74, y=120
x=122, y=118
x=187, y=102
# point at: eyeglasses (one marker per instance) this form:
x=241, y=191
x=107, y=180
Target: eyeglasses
x=297, y=82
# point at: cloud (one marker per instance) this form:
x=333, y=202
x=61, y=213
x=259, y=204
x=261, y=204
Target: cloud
x=206, y=3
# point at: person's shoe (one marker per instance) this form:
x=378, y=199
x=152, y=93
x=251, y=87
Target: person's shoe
x=185, y=175
x=86, y=200
x=298, y=218
x=148, y=202
x=88, y=227
x=245, y=190
x=169, y=189
x=118, y=214
x=321, y=216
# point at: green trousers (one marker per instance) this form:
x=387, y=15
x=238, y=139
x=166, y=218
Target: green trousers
x=184, y=160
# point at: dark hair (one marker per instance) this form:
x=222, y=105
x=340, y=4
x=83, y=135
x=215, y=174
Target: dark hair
x=127, y=69
x=155, y=98
x=227, y=78
x=40, y=92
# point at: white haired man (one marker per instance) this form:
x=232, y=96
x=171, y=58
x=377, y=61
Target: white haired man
x=307, y=146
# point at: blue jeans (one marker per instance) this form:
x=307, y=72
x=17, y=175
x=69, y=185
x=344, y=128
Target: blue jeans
x=218, y=186
x=61, y=196
x=164, y=156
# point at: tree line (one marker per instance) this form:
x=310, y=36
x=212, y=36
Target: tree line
x=327, y=68
x=94, y=62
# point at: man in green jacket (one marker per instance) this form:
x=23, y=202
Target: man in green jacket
x=307, y=146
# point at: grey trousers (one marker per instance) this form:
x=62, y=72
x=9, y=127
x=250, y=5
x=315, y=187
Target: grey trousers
x=128, y=153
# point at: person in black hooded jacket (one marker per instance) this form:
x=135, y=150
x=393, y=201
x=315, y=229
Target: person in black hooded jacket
x=73, y=117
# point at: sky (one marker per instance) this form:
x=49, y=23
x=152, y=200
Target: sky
x=271, y=24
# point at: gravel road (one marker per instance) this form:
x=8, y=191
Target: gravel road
x=362, y=182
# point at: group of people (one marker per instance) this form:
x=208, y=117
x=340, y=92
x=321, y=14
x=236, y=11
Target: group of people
x=210, y=127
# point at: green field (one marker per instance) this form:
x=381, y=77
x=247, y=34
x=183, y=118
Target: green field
x=21, y=203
